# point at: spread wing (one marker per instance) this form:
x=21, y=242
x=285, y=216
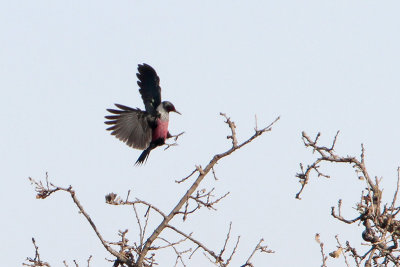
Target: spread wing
x=130, y=125
x=150, y=89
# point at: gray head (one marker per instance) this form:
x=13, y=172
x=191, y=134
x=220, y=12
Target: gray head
x=168, y=106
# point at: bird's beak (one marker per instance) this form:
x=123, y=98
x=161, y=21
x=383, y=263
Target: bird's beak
x=177, y=112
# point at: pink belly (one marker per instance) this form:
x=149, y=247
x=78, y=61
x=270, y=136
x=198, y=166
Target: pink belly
x=161, y=130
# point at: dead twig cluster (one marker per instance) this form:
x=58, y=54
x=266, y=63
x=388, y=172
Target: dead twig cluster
x=381, y=226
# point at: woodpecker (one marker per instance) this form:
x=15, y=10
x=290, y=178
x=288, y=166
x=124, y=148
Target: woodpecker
x=144, y=130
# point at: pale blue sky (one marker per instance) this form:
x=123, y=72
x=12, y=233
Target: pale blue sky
x=321, y=65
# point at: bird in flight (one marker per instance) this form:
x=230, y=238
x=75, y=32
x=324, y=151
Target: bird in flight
x=144, y=130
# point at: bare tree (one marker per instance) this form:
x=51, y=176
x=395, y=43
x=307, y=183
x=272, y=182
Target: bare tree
x=379, y=220
x=137, y=254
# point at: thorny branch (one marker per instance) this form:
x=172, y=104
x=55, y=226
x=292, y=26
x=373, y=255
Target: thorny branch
x=136, y=255
x=381, y=227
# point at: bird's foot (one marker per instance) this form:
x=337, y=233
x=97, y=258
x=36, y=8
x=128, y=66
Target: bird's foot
x=169, y=145
x=175, y=136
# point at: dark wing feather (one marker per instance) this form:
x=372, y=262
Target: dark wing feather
x=130, y=126
x=150, y=89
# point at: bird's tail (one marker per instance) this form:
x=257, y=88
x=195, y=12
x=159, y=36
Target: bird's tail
x=143, y=157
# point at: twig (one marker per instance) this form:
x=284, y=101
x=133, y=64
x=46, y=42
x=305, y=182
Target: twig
x=342, y=250
x=198, y=243
x=185, y=178
x=233, y=251
x=321, y=245
x=43, y=192
x=88, y=261
x=397, y=191
x=141, y=235
x=36, y=261
x=339, y=216
x=261, y=249
x=226, y=240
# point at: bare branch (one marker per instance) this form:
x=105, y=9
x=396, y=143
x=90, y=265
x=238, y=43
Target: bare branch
x=226, y=240
x=202, y=174
x=213, y=172
x=233, y=251
x=260, y=248
x=342, y=251
x=44, y=192
x=36, y=261
x=397, y=191
x=178, y=253
x=88, y=261
x=232, y=126
x=136, y=255
x=198, y=243
x=339, y=216
x=321, y=245
x=185, y=178
x=328, y=155
x=382, y=229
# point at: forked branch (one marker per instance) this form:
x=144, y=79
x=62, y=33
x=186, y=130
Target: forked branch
x=202, y=173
